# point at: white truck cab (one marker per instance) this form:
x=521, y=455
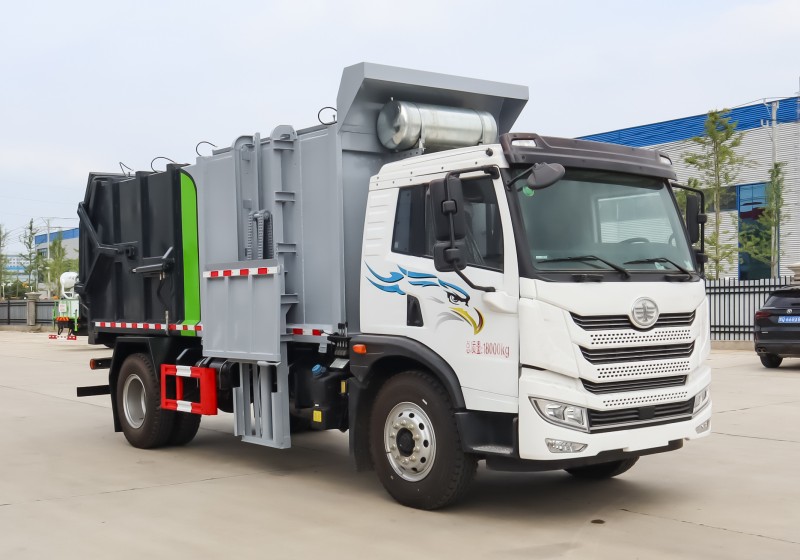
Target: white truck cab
x=579, y=308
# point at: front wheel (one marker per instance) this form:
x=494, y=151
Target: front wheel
x=603, y=470
x=415, y=445
x=770, y=360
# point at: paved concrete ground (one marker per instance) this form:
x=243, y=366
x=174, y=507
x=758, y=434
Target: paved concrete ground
x=72, y=488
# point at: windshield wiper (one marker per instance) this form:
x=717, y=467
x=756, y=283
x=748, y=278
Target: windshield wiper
x=660, y=260
x=584, y=258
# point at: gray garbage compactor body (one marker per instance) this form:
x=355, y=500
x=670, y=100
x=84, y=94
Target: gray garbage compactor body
x=239, y=275
x=295, y=202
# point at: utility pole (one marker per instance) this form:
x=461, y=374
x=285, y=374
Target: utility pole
x=775, y=245
x=47, y=221
x=776, y=239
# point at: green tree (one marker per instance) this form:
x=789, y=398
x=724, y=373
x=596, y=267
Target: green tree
x=33, y=263
x=717, y=165
x=761, y=240
x=15, y=289
x=59, y=263
x=3, y=259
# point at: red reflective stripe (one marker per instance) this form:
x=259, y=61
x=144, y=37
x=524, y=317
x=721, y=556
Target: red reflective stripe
x=199, y=327
x=173, y=327
x=208, y=389
x=239, y=272
x=307, y=332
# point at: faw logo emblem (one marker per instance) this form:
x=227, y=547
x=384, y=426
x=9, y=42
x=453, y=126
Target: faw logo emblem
x=644, y=313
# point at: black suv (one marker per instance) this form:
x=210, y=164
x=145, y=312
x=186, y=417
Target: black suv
x=777, y=327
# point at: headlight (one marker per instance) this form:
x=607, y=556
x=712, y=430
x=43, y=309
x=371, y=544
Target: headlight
x=567, y=415
x=701, y=400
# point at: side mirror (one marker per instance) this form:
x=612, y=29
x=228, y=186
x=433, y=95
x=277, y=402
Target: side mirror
x=543, y=175
x=449, y=224
x=694, y=217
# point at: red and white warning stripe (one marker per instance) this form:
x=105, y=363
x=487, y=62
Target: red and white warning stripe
x=306, y=330
x=62, y=337
x=233, y=272
x=125, y=325
x=177, y=327
x=208, y=389
x=148, y=326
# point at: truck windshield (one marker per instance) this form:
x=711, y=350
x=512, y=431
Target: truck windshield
x=593, y=221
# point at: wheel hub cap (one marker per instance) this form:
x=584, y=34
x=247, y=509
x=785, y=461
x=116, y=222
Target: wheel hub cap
x=410, y=442
x=133, y=401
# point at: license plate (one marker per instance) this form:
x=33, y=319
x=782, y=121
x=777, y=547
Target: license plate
x=789, y=319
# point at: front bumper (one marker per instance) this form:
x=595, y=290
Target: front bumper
x=631, y=440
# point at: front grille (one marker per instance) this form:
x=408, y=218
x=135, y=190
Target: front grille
x=609, y=420
x=634, y=384
x=614, y=322
x=637, y=353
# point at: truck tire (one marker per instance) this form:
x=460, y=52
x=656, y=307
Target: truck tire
x=143, y=422
x=770, y=360
x=602, y=471
x=415, y=445
x=184, y=429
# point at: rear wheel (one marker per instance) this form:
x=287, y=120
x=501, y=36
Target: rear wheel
x=770, y=360
x=144, y=423
x=184, y=429
x=415, y=445
x=603, y=470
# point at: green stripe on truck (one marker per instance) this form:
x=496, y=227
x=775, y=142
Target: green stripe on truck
x=191, y=264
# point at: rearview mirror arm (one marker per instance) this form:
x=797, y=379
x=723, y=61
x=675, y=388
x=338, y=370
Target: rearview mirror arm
x=452, y=226
x=702, y=207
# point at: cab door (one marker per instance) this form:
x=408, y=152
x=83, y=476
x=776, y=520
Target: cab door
x=476, y=332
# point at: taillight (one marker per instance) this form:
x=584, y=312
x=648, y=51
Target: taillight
x=762, y=314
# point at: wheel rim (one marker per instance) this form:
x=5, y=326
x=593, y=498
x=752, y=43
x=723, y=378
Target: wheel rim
x=409, y=441
x=133, y=401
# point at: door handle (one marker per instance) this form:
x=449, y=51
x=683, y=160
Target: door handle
x=501, y=302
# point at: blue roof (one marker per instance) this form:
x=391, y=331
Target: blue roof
x=747, y=118
x=65, y=234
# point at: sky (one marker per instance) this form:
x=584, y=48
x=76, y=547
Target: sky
x=85, y=85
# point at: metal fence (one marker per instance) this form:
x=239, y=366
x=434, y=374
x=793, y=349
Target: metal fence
x=15, y=312
x=733, y=303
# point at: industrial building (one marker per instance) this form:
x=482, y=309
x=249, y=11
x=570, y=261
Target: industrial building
x=15, y=270
x=769, y=127
x=69, y=240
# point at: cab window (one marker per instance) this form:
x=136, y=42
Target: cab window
x=413, y=227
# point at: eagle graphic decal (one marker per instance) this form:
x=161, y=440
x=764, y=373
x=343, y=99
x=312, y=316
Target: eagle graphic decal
x=432, y=288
